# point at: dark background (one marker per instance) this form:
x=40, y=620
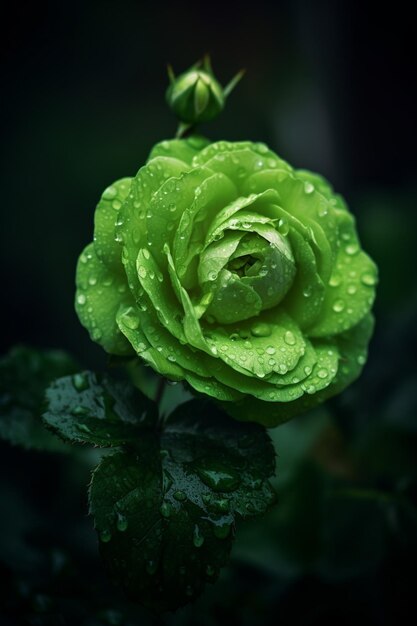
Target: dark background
x=329, y=86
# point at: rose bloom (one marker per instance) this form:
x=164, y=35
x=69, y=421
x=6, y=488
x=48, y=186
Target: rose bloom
x=220, y=265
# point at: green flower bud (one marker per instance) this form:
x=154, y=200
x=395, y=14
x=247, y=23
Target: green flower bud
x=196, y=96
x=222, y=266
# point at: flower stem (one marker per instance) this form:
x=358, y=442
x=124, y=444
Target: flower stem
x=184, y=130
x=160, y=391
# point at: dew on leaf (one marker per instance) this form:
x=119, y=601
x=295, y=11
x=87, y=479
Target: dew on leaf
x=122, y=522
x=198, y=538
x=79, y=410
x=221, y=531
x=151, y=567
x=218, y=478
x=210, y=570
x=166, y=509
x=105, y=536
x=80, y=382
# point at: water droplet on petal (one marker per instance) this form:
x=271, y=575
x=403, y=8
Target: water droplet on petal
x=338, y=306
x=368, y=279
x=261, y=329
x=335, y=281
x=352, y=249
x=289, y=338
x=310, y=389
x=131, y=318
x=261, y=148
x=110, y=193
x=283, y=227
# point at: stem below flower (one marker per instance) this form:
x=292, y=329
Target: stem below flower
x=184, y=130
x=160, y=391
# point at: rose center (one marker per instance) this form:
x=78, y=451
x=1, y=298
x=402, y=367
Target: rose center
x=256, y=276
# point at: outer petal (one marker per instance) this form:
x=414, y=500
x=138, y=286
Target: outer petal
x=351, y=289
x=257, y=348
x=143, y=348
x=352, y=347
x=131, y=228
x=239, y=160
x=100, y=292
x=182, y=149
x=108, y=249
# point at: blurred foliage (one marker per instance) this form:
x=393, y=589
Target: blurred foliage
x=24, y=375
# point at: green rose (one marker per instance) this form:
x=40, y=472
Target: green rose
x=221, y=265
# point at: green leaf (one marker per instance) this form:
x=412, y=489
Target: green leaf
x=165, y=508
x=24, y=375
x=86, y=409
